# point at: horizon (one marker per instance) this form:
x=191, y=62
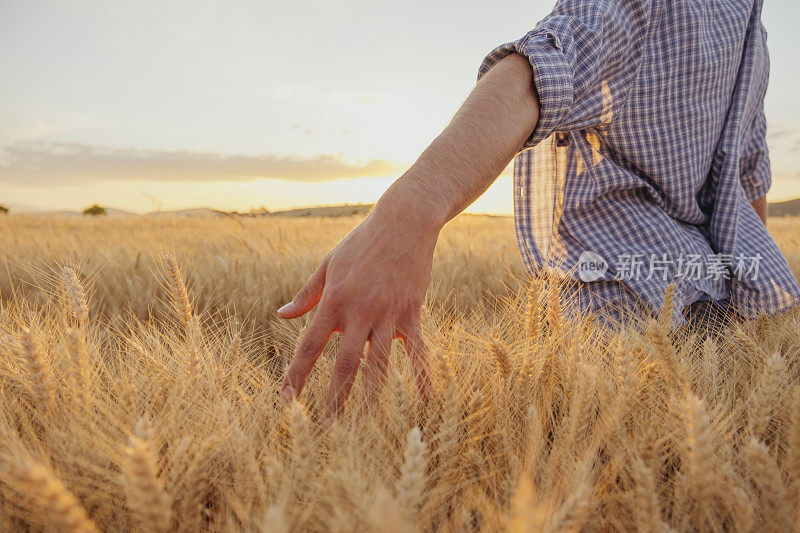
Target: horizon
x=149, y=107
x=21, y=209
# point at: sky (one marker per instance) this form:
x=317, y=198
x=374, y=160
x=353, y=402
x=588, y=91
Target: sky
x=169, y=105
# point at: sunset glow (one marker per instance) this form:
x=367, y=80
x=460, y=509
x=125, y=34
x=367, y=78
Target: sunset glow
x=236, y=106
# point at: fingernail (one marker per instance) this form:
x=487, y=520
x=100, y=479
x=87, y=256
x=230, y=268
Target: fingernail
x=285, y=307
x=287, y=394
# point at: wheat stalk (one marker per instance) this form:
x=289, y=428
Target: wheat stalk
x=573, y=513
x=553, y=308
x=710, y=366
x=79, y=365
x=533, y=311
x=400, y=404
x=75, y=297
x=501, y=357
x=528, y=515
x=247, y=473
x=448, y=435
x=52, y=502
x=700, y=456
x=180, y=296
x=765, y=397
x=236, y=344
x=144, y=490
x=303, y=453
x=667, y=310
x=191, y=489
x=645, y=499
x=412, y=475
x=37, y=371
x=772, y=497
x=194, y=336
x=793, y=465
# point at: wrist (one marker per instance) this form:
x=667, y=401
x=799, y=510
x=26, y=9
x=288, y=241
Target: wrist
x=423, y=211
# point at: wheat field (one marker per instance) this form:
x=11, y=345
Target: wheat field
x=140, y=360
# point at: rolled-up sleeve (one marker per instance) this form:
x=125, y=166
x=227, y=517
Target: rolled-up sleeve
x=584, y=57
x=754, y=166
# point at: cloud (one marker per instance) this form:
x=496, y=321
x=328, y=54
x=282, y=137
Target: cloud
x=777, y=134
x=41, y=163
x=786, y=137
x=307, y=131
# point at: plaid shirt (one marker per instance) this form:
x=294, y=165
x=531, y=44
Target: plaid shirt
x=649, y=148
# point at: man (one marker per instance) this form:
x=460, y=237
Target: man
x=639, y=135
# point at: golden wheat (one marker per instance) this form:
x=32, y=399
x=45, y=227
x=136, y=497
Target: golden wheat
x=133, y=401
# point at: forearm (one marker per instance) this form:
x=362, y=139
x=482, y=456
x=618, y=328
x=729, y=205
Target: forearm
x=760, y=206
x=464, y=160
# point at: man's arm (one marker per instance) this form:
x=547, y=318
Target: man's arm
x=484, y=135
x=760, y=206
x=371, y=286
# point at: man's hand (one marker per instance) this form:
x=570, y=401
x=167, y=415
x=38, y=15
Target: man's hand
x=372, y=285
x=760, y=206
x=371, y=288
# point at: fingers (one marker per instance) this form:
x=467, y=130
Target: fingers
x=380, y=346
x=344, y=372
x=308, y=351
x=308, y=296
x=418, y=352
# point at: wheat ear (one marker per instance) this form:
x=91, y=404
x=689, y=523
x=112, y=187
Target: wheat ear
x=58, y=506
x=194, y=336
x=37, y=371
x=553, y=309
x=75, y=297
x=645, y=500
x=710, y=365
x=667, y=310
x=303, y=455
x=501, y=357
x=400, y=403
x=699, y=456
x=533, y=311
x=765, y=397
x=412, y=475
x=180, y=296
x=144, y=490
x=774, y=503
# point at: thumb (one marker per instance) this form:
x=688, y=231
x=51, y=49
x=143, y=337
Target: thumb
x=307, y=297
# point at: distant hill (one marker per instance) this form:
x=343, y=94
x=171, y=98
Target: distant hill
x=787, y=208
x=321, y=211
x=114, y=212
x=776, y=209
x=18, y=209
x=325, y=211
x=196, y=212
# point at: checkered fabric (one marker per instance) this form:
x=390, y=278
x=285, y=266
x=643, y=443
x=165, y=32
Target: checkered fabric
x=649, y=148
